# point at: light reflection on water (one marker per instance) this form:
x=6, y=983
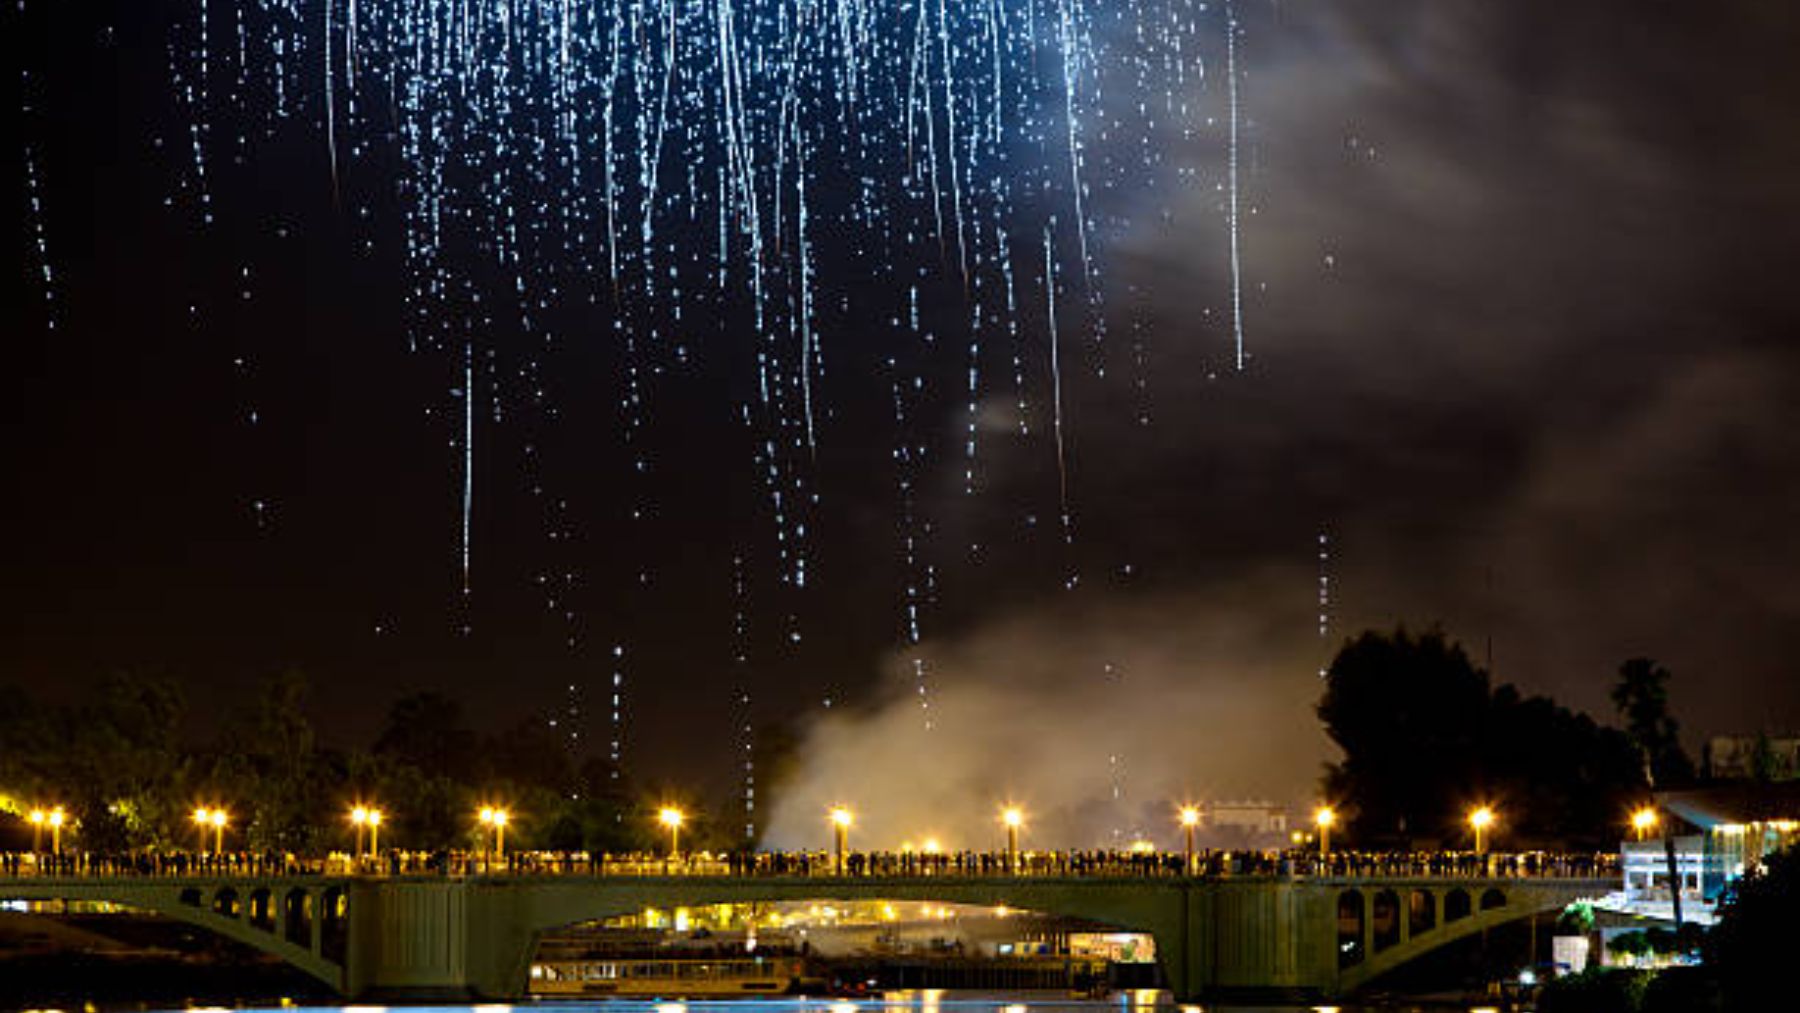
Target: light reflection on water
x=926, y=1001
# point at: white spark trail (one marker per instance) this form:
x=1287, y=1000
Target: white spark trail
x=1232, y=223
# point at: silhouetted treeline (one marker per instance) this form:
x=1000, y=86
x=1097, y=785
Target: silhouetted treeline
x=1426, y=739
x=121, y=764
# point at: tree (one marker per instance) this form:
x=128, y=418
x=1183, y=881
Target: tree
x=1642, y=697
x=427, y=731
x=1766, y=764
x=1408, y=714
x=1751, y=949
x=1424, y=738
x=287, y=789
x=118, y=758
x=530, y=753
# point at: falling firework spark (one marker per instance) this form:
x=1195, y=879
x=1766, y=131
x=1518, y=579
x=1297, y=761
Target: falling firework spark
x=1234, y=227
x=649, y=184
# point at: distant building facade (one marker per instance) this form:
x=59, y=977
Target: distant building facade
x=1252, y=817
x=1751, y=758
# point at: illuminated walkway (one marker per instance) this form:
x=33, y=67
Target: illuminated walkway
x=1096, y=864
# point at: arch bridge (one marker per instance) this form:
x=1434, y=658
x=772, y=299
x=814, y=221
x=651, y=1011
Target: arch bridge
x=474, y=937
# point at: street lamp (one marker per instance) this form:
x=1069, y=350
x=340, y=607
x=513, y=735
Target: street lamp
x=359, y=818
x=1480, y=820
x=1324, y=818
x=671, y=817
x=841, y=818
x=38, y=818
x=214, y=819
x=1643, y=821
x=367, y=816
x=1190, y=818
x=56, y=823
x=218, y=818
x=1014, y=818
x=496, y=819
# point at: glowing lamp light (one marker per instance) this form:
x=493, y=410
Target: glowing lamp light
x=1190, y=816
x=842, y=816
x=671, y=817
x=1012, y=816
x=1324, y=817
x=1643, y=821
x=1481, y=819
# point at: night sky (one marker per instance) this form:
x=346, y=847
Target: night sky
x=1517, y=301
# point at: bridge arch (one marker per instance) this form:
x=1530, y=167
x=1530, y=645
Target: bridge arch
x=262, y=909
x=1385, y=919
x=1421, y=911
x=558, y=904
x=1493, y=907
x=214, y=907
x=1352, y=923
x=297, y=916
x=225, y=902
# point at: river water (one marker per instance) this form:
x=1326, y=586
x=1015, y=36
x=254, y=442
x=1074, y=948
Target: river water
x=927, y=1002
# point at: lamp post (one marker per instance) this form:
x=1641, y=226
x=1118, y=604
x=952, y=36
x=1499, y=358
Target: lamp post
x=841, y=818
x=671, y=817
x=219, y=819
x=1643, y=821
x=215, y=820
x=57, y=816
x=1480, y=820
x=1190, y=818
x=359, y=818
x=38, y=818
x=1014, y=818
x=374, y=831
x=1324, y=818
x=495, y=819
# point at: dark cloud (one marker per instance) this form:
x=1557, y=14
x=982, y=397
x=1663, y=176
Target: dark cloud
x=1521, y=338
x=1520, y=345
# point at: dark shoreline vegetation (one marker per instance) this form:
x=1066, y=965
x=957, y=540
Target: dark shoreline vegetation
x=123, y=765
x=1423, y=732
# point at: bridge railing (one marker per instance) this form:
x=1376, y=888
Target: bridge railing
x=1074, y=864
